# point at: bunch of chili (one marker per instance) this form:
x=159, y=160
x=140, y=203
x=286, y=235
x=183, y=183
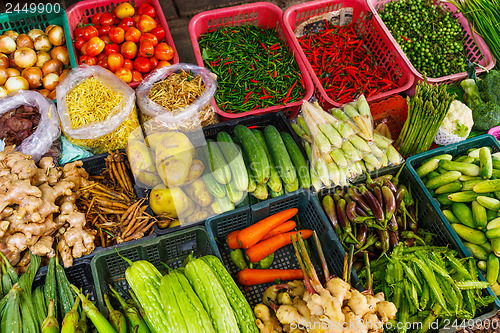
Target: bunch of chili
x=254, y=68
x=343, y=64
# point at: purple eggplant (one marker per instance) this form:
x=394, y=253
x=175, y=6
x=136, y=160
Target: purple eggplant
x=401, y=222
x=341, y=214
x=409, y=242
x=377, y=192
x=400, y=194
x=347, y=198
x=358, y=265
x=360, y=211
x=393, y=223
x=410, y=235
x=383, y=178
x=351, y=212
x=361, y=236
x=389, y=202
x=393, y=239
x=374, y=204
x=356, y=196
x=390, y=185
x=329, y=208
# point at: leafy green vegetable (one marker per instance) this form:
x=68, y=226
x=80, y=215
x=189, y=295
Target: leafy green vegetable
x=486, y=114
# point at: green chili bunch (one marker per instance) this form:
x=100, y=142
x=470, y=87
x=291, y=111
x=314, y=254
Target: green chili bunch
x=254, y=68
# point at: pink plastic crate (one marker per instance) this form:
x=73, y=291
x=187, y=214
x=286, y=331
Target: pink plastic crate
x=376, y=41
x=264, y=15
x=83, y=11
x=495, y=131
x=478, y=53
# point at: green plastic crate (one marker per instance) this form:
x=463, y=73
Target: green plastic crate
x=108, y=268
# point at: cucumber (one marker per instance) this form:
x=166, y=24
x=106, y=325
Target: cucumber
x=468, y=185
x=298, y=160
x=441, y=170
x=256, y=154
x=495, y=163
x=465, y=178
x=487, y=186
x=282, y=160
x=481, y=264
x=469, y=234
x=487, y=247
x=479, y=214
x=477, y=251
x=495, y=243
x=475, y=152
x=491, y=214
x=261, y=192
x=276, y=194
x=497, y=194
x=251, y=182
x=485, y=163
x=461, y=158
x=493, y=233
x=234, y=157
x=443, y=179
x=225, y=204
x=464, y=168
x=443, y=199
x=467, y=196
x=274, y=181
x=467, y=159
x=495, y=223
x=489, y=203
x=289, y=188
x=427, y=167
x=233, y=193
x=450, y=216
x=463, y=214
x=220, y=168
x=213, y=186
x=431, y=175
x=492, y=268
x=449, y=188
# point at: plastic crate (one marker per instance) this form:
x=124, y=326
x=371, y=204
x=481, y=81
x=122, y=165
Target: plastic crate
x=311, y=216
x=82, y=12
x=495, y=131
x=375, y=37
x=264, y=15
x=277, y=119
x=438, y=219
x=109, y=268
x=393, y=111
x=477, y=53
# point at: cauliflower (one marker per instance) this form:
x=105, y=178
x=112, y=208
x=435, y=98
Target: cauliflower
x=456, y=125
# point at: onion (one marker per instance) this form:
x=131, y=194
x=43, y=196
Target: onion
x=13, y=62
x=35, y=33
x=42, y=58
x=49, y=27
x=4, y=61
x=13, y=72
x=50, y=81
x=42, y=43
x=34, y=77
x=7, y=44
x=44, y=92
x=60, y=53
x=25, y=57
x=52, y=94
x=52, y=66
x=24, y=41
x=16, y=83
x=3, y=92
x=56, y=35
x=12, y=34
x=63, y=74
x=3, y=76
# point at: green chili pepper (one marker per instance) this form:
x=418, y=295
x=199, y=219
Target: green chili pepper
x=238, y=258
x=267, y=261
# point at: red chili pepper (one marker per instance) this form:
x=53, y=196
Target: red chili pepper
x=264, y=97
x=291, y=88
x=253, y=81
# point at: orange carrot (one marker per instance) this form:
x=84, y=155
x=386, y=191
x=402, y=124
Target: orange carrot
x=285, y=227
x=232, y=241
x=262, y=249
x=251, y=235
x=250, y=277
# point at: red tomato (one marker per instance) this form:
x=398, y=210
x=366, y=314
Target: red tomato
x=95, y=18
x=115, y=18
x=148, y=36
x=129, y=50
x=106, y=19
x=124, y=74
x=123, y=26
x=78, y=32
x=79, y=43
x=117, y=35
x=95, y=46
x=142, y=65
x=164, y=52
x=136, y=18
x=115, y=61
x=124, y=9
x=101, y=55
x=89, y=32
x=136, y=76
x=154, y=62
x=159, y=32
x=104, y=30
x=146, y=23
x=133, y=35
x=111, y=48
x=163, y=63
x=128, y=21
x=83, y=50
x=103, y=62
x=146, y=9
x=146, y=49
x=106, y=39
x=85, y=59
x=128, y=64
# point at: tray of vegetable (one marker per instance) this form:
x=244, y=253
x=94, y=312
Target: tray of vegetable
x=460, y=181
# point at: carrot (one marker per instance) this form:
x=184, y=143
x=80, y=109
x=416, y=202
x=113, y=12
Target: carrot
x=232, y=241
x=262, y=249
x=285, y=227
x=251, y=235
x=250, y=277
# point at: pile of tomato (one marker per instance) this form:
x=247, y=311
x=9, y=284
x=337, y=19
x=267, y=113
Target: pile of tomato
x=129, y=42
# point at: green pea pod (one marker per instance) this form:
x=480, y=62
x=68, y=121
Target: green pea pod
x=267, y=261
x=238, y=258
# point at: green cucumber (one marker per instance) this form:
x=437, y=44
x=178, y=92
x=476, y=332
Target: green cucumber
x=497, y=194
x=463, y=214
x=443, y=199
x=251, y=182
x=477, y=251
x=298, y=160
x=492, y=268
x=468, y=185
x=495, y=223
x=487, y=246
x=259, y=163
x=481, y=264
x=487, y=186
x=464, y=178
x=495, y=243
x=274, y=181
x=224, y=204
x=495, y=163
x=213, y=186
x=469, y=234
x=276, y=194
x=280, y=155
x=489, y=203
x=233, y=193
x=431, y=175
x=441, y=170
x=289, y=188
x=234, y=157
x=261, y=192
x=464, y=168
x=427, y=167
x=449, y=188
x=479, y=214
x=475, y=152
x=450, y=216
x=491, y=214
x=485, y=162
x=467, y=196
x=443, y=179
x=492, y=233
x=220, y=168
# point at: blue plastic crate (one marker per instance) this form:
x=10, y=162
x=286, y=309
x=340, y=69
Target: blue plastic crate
x=456, y=149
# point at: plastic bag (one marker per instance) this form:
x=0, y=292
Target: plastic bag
x=48, y=130
x=98, y=136
x=156, y=117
